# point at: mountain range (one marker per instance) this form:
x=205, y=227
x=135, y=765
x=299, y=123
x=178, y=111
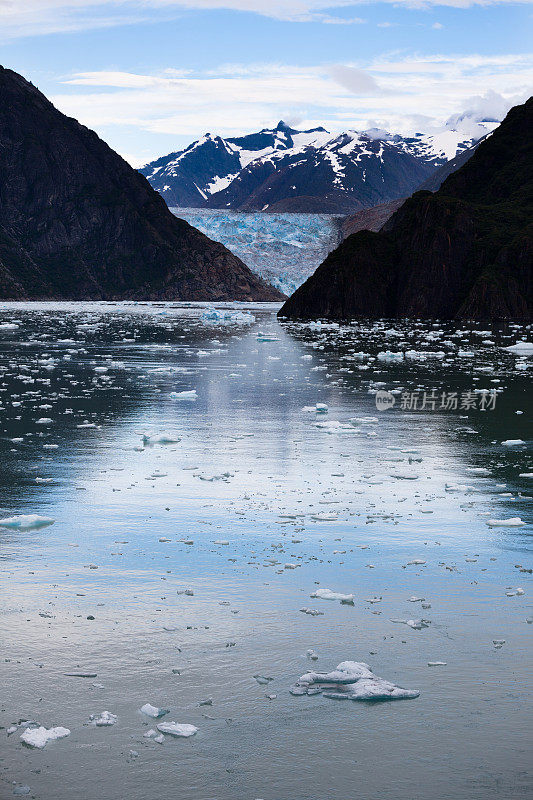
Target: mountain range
x=77, y=222
x=465, y=251
x=287, y=170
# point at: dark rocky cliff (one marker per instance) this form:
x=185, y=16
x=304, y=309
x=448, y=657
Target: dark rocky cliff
x=77, y=222
x=464, y=252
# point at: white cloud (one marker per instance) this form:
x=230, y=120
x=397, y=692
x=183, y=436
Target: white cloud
x=240, y=98
x=39, y=17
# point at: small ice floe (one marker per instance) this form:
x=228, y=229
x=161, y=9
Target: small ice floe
x=153, y=711
x=526, y=475
x=312, y=612
x=522, y=348
x=512, y=522
x=518, y=592
x=159, y=438
x=416, y=562
x=498, y=643
x=38, y=737
x=415, y=624
x=176, y=729
x=405, y=475
x=328, y=594
x=189, y=395
x=436, y=663
x=512, y=442
x=266, y=337
x=312, y=655
x=103, y=720
x=21, y=791
x=324, y=517
x=321, y=408
x=414, y=599
x=26, y=522
x=263, y=680
x=221, y=541
x=352, y=680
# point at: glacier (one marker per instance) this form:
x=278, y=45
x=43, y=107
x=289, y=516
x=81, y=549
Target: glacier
x=283, y=248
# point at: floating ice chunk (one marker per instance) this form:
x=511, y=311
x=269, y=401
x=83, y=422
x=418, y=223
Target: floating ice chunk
x=44, y=421
x=436, y=663
x=20, y=791
x=328, y=594
x=389, y=355
x=526, y=475
x=177, y=729
x=227, y=316
x=262, y=679
x=38, y=737
x=153, y=711
x=512, y=442
x=103, y=720
x=312, y=655
x=405, y=476
x=498, y=643
x=190, y=395
x=352, y=680
x=312, y=612
x=522, y=348
x=160, y=438
x=221, y=541
x=26, y=522
x=512, y=522
x=324, y=517
x=415, y=624
x=321, y=408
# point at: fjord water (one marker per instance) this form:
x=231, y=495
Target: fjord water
x=258, y=505
x=284, y=249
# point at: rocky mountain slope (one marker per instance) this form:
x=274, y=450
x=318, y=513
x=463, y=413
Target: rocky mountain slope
x=286, y=170
x=77, y=222
x=465, y=251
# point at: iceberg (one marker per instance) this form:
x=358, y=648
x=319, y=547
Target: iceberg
x=351, y=680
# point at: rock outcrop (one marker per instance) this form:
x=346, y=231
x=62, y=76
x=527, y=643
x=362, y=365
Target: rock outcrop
x=77, y=222
x=465, y=251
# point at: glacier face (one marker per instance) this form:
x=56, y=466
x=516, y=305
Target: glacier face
x=284, y=249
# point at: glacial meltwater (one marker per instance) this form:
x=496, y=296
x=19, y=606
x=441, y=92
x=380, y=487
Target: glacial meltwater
x=244, y=559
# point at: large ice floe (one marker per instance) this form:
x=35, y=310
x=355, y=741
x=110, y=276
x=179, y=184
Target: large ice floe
x=38, y=736
x=351, y=680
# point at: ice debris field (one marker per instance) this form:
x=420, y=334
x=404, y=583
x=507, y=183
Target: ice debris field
x=211, y=535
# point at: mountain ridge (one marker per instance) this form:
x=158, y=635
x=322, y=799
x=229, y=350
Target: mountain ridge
x=284, y=169
x=77, y=222
x=465, y=251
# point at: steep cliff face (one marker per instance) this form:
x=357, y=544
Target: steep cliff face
x=465, y=251
x=77, y=222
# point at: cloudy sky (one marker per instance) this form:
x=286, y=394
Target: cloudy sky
x=152, y=75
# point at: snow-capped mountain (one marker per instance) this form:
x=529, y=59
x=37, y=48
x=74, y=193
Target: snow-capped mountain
x=283, y=169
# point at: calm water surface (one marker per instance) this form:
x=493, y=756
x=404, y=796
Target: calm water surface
x=300, y=500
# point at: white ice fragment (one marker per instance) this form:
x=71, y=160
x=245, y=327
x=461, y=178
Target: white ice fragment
x=38, y=737
x=103, y=720
x=312, y=612
x=436, y=663
x=26, y=522
x=161, y=438
x=328, y=594
x=522, y=348
x=512, y=522
x=512, y=442
x=188, y=395
x=177, y=729
x=153, y=711
x=351, y=680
